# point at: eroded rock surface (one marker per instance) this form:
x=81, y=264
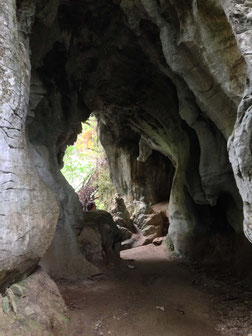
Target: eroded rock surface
x=239, y=16
x=100, y=238
x=33, y=307
x=121, y=215
x=28, y=209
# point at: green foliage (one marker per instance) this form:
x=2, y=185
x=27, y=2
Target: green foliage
x=170, y=244
x=77, y=168
x=85, y=161
x=105, y=188
x=80, y=159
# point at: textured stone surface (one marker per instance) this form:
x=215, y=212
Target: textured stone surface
x=125, y=233
x=153, y=225
x=54, y=120
x=121, y=215
x=100, y=238
x=161, y=207
x=28, y=209
x=63, y=258
x=147, y=179
x=158, y=241
x=240, y=143
x=203, y=62
x=40, y=309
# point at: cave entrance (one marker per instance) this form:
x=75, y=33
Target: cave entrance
x=116, y=179
x=86, y=169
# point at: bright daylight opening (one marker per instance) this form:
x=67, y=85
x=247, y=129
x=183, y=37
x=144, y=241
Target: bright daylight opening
x=86, y=169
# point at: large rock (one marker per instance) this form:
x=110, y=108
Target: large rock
x=33, y=307
x=28, y=209
x=150, y=222
x=187, y=109
x=162, y=208
x=165, y=85
x=121, y=215
x=149, y=226
x=152, y=225
x=100, y=238
x=125, y=233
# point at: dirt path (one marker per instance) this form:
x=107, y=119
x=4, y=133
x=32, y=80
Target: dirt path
x=155, y=298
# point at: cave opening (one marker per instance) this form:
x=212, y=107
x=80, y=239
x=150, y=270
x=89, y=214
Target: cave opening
x=86, y=169
x=163, y=126
x=143, y=184
x=169, y=85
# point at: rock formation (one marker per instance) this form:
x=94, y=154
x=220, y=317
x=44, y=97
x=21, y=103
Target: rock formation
x=121, y=215
x=100, y=238
x=33, y=307
x=28, y=209
x=240, y=18
x=170, y=84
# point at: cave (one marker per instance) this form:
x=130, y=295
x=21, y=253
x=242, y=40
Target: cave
x=169, y=83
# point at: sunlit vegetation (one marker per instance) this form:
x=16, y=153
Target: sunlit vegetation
x=86, y=168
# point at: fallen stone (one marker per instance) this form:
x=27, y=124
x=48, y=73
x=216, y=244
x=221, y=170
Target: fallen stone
x=152, y=225
x=121, y=215
x=100, y=238
x=158, y=241
x=161, y=207
x=126, y=234
x=41, y=311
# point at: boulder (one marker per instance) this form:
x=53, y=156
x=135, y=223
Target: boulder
x=153, y=225
x=33, y=307
x=121, y=215
x=150, y=228
x=161, y=207
x=100, y=238
x=126, y=234
x=158, y=241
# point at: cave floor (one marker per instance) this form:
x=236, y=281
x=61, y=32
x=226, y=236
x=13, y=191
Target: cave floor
x=154, y=294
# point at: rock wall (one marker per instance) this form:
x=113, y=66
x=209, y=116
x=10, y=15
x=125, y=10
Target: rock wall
x=54, y=121
x=137, y=171
x=27, y=207
x=193, y=39
x=240, y=143
x=183, y=104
